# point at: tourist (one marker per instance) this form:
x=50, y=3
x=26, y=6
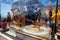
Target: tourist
x=9, y=18
x=4, y=26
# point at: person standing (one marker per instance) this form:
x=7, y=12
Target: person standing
x=50, y=15
x=58, y=32
x=4, y=26
x=20, y=20
x=8, y=18
x=0, y=20
x=39, y=15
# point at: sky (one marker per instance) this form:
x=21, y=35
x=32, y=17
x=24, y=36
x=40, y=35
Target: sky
x=5, y=6
x=4, y=9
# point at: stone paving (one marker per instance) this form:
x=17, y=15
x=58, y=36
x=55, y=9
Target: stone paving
x=3, y=38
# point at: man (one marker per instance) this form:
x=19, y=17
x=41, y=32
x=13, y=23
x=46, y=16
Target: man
x=9, y=18
x=4, y=26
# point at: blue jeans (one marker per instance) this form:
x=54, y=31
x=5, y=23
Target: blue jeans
x=4, y=30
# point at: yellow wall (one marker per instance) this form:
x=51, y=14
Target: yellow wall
x=53, y=14
x=58, y=15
